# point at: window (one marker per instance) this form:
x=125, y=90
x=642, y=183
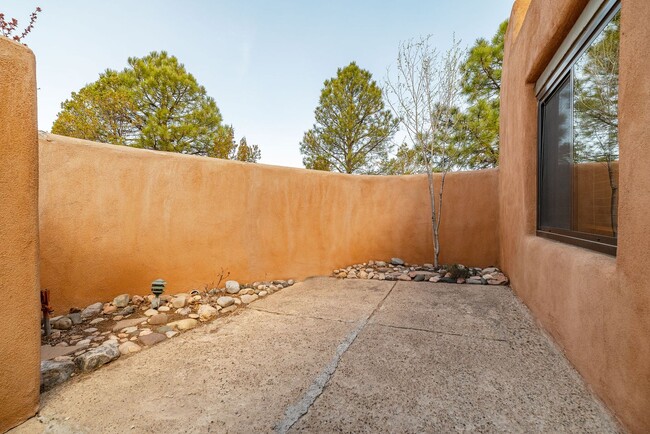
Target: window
x=578, y=134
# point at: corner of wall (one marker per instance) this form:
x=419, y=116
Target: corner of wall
x=19, y=276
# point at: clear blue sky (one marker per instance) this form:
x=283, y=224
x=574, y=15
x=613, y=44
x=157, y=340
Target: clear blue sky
x=264, y=62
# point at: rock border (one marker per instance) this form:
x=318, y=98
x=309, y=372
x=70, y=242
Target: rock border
x=397, y=269
x=86, y=339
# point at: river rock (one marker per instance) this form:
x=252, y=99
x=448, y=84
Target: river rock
x=179, y=302
x=229, y=309
x=55, y=372
x=121, y=300
x=158, y=319
x=75, y=317
x=63, y=323
x=232, y=287
x=129, y=347
x=489, y=270
x=396, y=261
x=137, y=299
x=497, y=279
x=248, y=298
x=152, y=339
x=126, y=311
x=184, y=311
x=127, y=323
x=92, y=310
x=150, y=312
x=96, y=357
x=184, y=324
x=206, y=312
x=225, y=301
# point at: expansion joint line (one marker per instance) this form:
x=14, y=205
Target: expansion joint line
x=297, y=410
x=438, y=332
x=299, y=316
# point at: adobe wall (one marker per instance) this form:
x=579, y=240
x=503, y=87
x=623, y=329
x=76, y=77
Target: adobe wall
x=597, y=307
x=19, y=285
x=113, y=219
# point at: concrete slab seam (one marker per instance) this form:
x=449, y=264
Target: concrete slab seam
x=294, y=412
x=437, y=332
x=300, y=316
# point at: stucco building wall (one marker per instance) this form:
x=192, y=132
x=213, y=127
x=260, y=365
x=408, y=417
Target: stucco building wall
x=112, y=219
x=20, y=310
x=596, y=306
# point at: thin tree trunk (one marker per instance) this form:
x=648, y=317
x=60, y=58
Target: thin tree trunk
x=434, y=230
x=439, y=218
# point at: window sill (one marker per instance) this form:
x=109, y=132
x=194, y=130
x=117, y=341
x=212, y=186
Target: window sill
x=609, y=249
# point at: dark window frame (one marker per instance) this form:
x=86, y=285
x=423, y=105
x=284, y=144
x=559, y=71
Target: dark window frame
x=556, y=79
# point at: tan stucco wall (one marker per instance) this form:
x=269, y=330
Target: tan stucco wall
x=596, y=306
x=20, y=308
x=113, y=219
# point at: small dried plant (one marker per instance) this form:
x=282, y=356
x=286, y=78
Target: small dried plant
x=9, y=27
x=222, y=275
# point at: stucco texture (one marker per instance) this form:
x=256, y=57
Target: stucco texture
x=19, y=315
x=113, y=219
x=597, y=307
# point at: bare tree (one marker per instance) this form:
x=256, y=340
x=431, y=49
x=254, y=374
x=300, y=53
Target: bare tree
x=424, y=95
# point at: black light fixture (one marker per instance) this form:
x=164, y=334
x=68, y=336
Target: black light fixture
x=157, y=288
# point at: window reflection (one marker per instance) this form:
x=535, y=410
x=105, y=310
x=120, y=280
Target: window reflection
x=595, y=134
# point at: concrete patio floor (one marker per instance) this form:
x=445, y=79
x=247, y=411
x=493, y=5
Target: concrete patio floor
x=331, y=355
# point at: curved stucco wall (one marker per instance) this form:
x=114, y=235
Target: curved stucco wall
x=597, y=307
x=113, y=219
x=20, y=306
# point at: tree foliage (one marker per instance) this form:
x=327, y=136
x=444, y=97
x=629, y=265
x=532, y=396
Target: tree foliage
x=471, y=127
x=226, y=147
x=595, y=120
x=154, y=103
x=478, y=126
x=246, y=152
x=353, y=130
x=596, y=98
x=424, y=94
x=406, y=161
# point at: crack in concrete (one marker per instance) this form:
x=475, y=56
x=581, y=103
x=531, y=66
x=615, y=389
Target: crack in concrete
x=300, y=316
x=437, y=332
x=296, y=411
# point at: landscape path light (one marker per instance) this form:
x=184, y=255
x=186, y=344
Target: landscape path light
x=157, y=288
